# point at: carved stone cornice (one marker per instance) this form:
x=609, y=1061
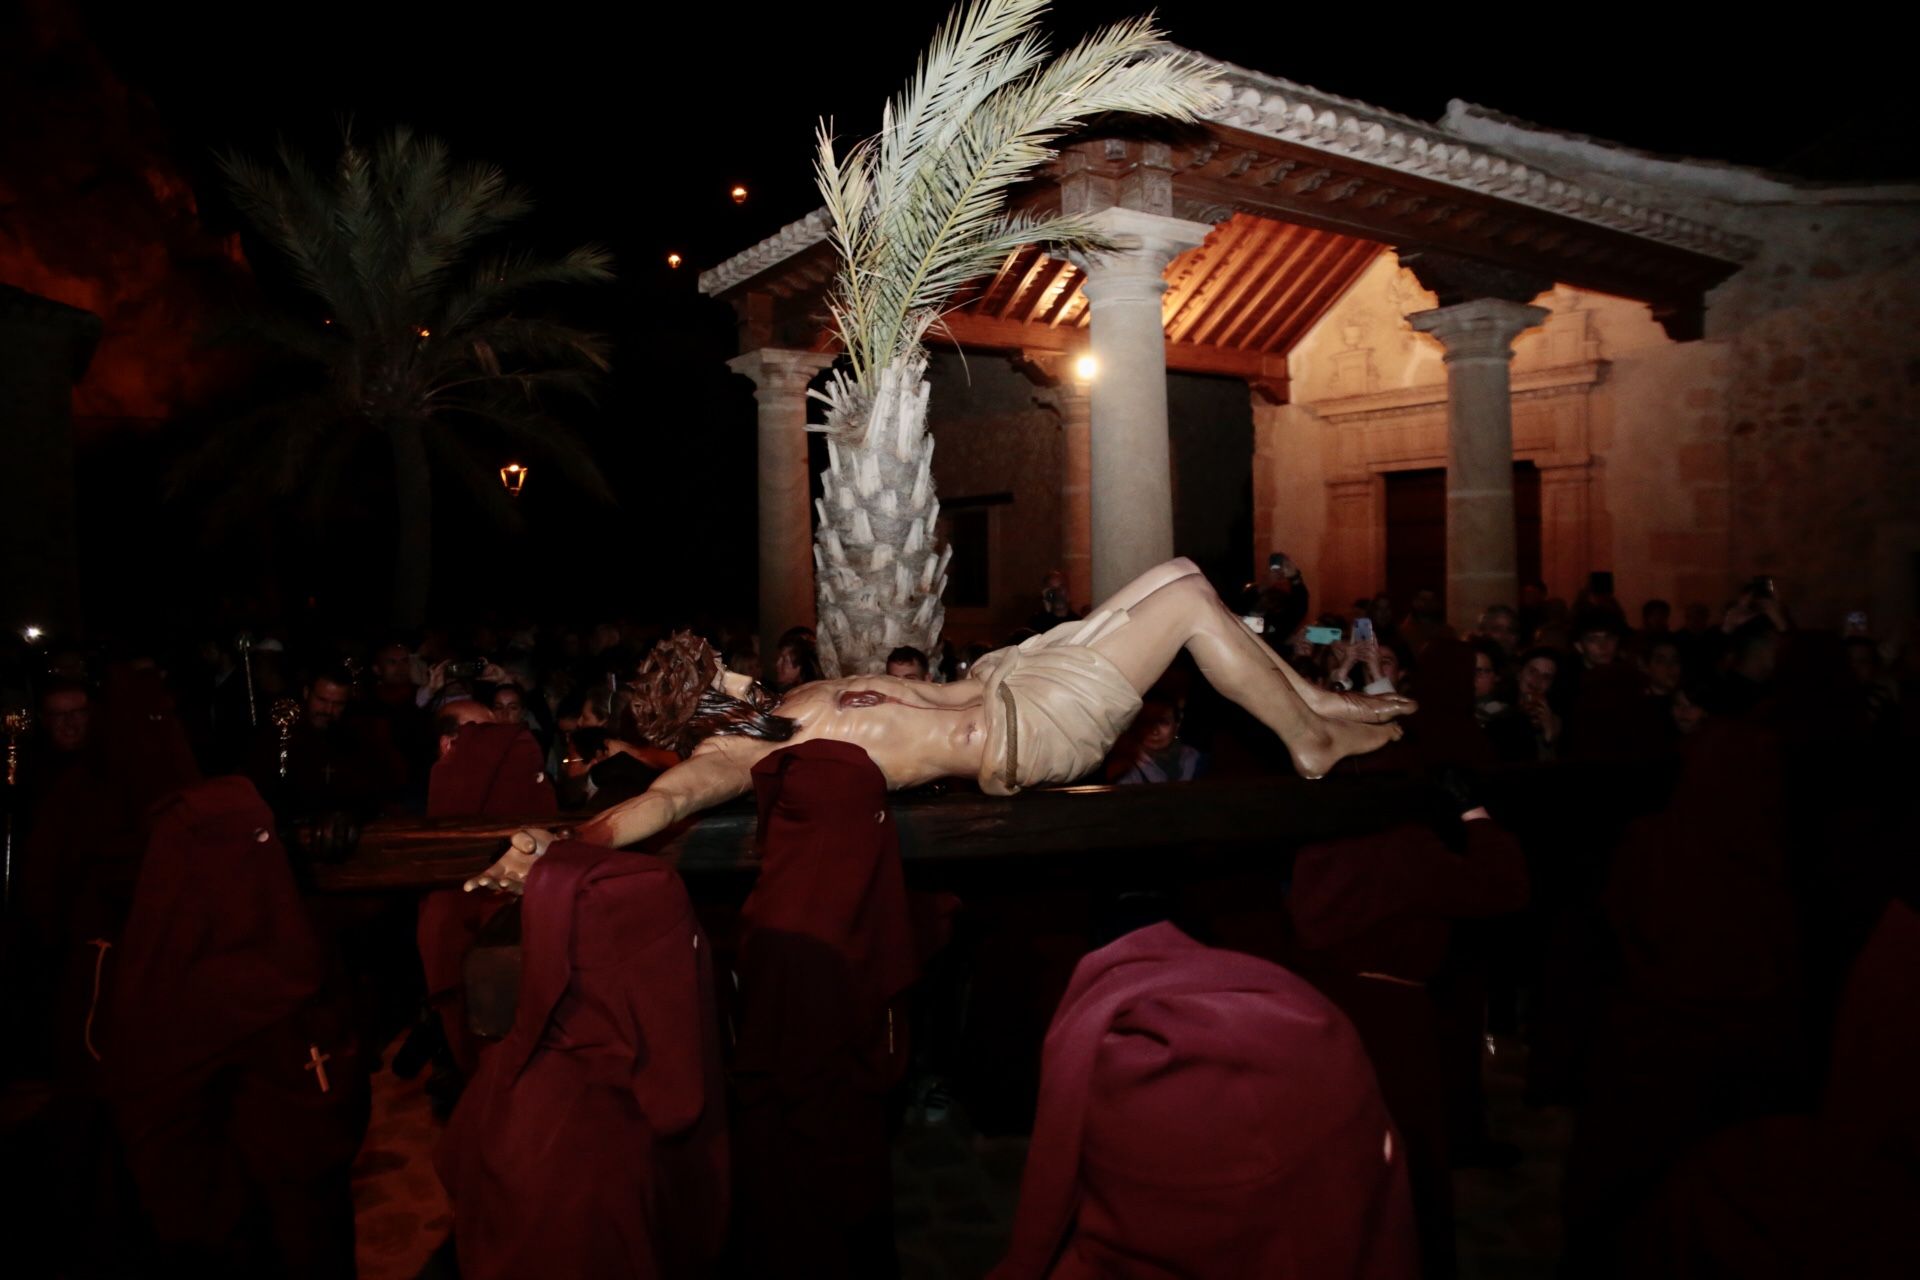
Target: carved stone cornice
x=1347, y=129
x=775, y=249
x=1531, y=384
x=1283, y=151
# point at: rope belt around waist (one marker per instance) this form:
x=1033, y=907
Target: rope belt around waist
x=1010, y=775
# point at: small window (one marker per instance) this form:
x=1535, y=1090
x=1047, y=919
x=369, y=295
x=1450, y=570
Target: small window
x=969, y=571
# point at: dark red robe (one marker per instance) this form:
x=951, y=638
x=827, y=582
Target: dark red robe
x=1703, y=1028
x=593, y=1141
x=1207, y=1113
x=826, y=951
x=1372, y=918
x=492, y=771
x=214, y=1035
x=1833, y=1194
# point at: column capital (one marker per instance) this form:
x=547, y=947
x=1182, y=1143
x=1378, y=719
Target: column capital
x=1053, y=370
x=1483, y=329
x=779, y=369
x=1145, y=243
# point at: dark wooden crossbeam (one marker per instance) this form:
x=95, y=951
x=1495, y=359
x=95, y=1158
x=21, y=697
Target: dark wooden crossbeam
x=1071, y=822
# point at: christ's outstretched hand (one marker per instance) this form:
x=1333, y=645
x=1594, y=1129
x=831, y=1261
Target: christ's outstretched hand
x=509, y=874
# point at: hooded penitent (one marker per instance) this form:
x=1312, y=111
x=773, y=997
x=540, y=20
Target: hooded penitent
x=1207, y=1113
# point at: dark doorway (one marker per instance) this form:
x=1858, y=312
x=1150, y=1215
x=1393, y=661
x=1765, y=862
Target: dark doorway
x=1417, y=529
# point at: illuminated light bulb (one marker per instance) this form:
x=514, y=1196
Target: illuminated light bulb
x=739, y=194
x=674, y=260
x=32, y=634
x=426, y=333
x=512, y=477
x=1085, y=368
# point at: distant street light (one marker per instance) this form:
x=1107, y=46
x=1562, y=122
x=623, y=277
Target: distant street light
x=674, y=260
x=739, y=194
x=512, y=477
x=33, y=634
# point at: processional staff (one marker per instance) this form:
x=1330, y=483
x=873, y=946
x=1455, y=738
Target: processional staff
x=18, y=721
x=244, y=642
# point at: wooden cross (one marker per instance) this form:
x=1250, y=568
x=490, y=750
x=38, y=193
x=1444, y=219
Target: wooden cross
x=318, y=1065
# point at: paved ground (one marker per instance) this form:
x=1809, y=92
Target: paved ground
x=955, y=1190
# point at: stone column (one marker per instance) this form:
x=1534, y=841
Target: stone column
x=1478, y=337
x=1130, y=461
x=780, y=379
x=1067, y=393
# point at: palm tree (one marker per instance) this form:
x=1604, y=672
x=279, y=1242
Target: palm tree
x=918, y=211
x=412, y=331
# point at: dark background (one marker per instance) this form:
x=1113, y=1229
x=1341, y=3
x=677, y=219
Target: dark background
x=629, y=126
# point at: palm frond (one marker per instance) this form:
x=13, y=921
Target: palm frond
x=428, y=326
x=920, y=210
x=500, y=279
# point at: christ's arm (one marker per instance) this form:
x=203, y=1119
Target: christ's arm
x=710, y=776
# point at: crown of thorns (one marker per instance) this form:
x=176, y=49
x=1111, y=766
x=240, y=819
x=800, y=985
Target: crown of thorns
x=668, y=686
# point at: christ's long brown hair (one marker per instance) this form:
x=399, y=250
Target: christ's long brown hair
x=676, y=705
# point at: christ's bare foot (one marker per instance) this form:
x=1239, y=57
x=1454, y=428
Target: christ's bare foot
x=1359, y=708
x=1336, y=740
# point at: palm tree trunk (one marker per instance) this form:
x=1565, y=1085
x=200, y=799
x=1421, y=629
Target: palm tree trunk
x=413, y=543
x=877, y=561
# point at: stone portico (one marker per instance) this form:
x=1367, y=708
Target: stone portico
x=1398, y=300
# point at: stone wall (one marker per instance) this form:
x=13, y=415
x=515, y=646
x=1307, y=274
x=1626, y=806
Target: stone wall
x=1823, y=402
x=991, y=436
x=1783, y=443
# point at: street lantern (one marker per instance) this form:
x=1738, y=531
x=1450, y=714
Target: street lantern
x=674, y=260
x=512, y=477
x=739, y=194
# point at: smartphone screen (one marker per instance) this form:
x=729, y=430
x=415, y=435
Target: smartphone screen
x=1363, y=628
x=1323, y=635
x=1255, y=623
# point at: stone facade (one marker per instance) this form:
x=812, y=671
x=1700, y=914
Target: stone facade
x=991, y=436
x=1783, y=443
x=994, y=434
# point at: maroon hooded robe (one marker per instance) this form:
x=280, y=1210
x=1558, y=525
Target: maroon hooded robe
x=826, y=950
x=235, y=1079
x=593, y=1141
x=1207, y=1113
x=1807, y=1197
x=1703, y=1028
x=492, y=771
x=1372, y=916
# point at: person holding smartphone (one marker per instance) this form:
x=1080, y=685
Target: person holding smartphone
x=1363, y=651
x=1280, y=602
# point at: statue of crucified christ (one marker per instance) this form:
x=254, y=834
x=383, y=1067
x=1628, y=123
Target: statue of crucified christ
x=1045, y=711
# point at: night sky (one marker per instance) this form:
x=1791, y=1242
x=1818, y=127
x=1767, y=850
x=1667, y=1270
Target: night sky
x=629, y=128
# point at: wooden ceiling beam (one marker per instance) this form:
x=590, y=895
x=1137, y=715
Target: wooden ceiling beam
x=988, y=333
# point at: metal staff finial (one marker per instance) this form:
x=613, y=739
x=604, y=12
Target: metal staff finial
x=286, y=714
